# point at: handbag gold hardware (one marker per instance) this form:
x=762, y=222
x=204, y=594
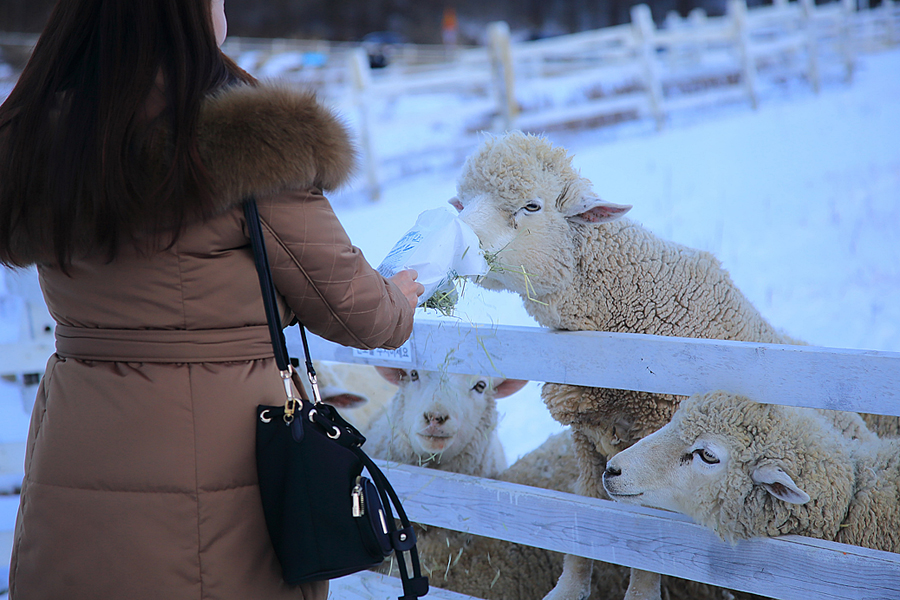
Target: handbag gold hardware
x=292, y=402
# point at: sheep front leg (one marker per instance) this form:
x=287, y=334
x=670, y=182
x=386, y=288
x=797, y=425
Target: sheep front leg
x=643, y=585
x=575, y=581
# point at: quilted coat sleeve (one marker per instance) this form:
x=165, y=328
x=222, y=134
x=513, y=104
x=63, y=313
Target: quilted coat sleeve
x=325, y=280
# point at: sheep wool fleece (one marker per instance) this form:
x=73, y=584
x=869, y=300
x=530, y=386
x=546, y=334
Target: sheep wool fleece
x=853, y=482
x=650, y=286
x=140, y=468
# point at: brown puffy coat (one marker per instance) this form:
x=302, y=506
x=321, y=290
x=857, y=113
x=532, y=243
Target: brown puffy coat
x=140, y=469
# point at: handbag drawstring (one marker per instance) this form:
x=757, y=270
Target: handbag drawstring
x=402, y=540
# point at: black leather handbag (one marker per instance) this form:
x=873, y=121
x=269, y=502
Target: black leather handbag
x=325, y=518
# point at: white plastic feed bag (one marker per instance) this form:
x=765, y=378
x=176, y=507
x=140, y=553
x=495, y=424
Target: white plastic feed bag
x=441, y=248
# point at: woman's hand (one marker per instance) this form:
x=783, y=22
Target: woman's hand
x=406, y=281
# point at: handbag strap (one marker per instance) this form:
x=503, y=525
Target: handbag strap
x=402, y=540
x=266, y=285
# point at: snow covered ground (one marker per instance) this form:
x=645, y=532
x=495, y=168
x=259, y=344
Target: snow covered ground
x=800, y=200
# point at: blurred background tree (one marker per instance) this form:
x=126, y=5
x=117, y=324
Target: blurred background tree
x=417, y=21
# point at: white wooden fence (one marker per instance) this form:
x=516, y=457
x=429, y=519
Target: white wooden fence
x=22, y=361
x=789, y=568
x=627, y=72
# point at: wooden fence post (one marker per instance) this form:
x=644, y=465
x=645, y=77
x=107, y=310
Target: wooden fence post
x=812, y=43
x=738, y=11
x=697, y=17
x=846, y=38
x=504, y=77
x=887, y=13
x=643, y=28
x=360, y=80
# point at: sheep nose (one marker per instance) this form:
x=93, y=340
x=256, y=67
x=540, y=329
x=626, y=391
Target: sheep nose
x=612, y=471
x=435, y=419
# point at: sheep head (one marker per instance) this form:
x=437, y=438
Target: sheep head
x=525, y=200
x=440, y=414
x=741, y=468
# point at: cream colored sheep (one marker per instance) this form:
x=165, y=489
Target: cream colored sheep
x=747, y=470
x=579, y=265
x=442, y=421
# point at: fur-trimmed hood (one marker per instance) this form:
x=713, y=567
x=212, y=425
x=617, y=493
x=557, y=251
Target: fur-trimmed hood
x=259, y=140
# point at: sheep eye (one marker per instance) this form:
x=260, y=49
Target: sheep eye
x=413, y=375
x=479, y=387
x=533, y=206
x=706, y=456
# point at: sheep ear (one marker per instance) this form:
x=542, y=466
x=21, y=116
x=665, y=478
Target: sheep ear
x=508, y=387
x=779, y=484
x=391, y=374
x=341, y=398
x=595, y=210
x=455, y=203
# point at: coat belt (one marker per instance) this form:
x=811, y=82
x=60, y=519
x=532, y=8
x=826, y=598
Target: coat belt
x=164, y=345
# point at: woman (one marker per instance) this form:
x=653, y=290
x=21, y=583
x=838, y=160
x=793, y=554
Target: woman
x=126, y=149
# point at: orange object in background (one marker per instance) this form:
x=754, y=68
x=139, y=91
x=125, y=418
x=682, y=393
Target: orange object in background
x=449, y=26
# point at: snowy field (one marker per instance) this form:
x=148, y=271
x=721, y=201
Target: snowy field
x=799, y=199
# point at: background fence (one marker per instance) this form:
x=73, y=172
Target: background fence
x=637, y=71
x=625, y=73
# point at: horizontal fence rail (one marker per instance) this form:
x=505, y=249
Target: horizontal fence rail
x=786, y=568
x=645, y=538
x=808, y=376
x=28, y=357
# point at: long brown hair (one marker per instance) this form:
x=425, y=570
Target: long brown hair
x=70, y=130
